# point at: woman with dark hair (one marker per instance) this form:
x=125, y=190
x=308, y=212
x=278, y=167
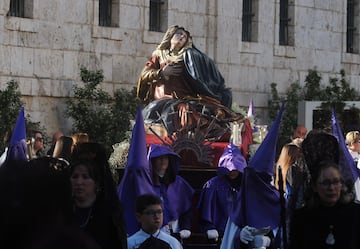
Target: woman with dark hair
x=97, y=209
x=63, y=148
x=183, y=88
x=330, y=218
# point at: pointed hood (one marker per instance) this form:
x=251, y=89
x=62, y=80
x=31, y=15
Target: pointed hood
x=264, y=157
x=19, y=132
x=348, y=168
x=258, y=200
x=136, y=179
x=231, y=159
x=251, y=111
x=17, y=150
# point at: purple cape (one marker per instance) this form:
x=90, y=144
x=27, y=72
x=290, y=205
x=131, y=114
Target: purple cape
x=136, y=180
x=17, y=151
x=178, y=194
x=217, y=196
x=258, y=201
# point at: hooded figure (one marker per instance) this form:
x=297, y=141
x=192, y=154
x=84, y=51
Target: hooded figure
x=258, y=207
x=17, y=150
x=218, y=194
x=136, y=180
x=174, y=191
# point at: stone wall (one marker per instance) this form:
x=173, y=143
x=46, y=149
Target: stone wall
x=45, y=53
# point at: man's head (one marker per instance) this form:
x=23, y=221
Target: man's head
x=299, y=132
x=149, y=212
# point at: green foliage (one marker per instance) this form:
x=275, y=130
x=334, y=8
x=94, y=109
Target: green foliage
x=333, y=96
x=105, y=118
x=10, y=104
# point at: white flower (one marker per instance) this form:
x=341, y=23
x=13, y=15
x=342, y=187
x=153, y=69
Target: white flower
x=118, y=157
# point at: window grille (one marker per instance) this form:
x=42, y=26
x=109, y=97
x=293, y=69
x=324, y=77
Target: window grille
x=284, y=23
x=155, y=15
x=16, y=8
x=351, y=28
x=105, y=13
x=247, y=20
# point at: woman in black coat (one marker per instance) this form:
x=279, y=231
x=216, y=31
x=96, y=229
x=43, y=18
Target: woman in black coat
x=330, y=218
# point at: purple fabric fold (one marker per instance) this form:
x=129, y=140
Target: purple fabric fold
x=258, y=201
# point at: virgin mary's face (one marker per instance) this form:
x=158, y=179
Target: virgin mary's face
x=178, y=40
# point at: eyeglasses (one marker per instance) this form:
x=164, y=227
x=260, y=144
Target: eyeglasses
x=328, y=183
x=153, y=212
x=39, y=139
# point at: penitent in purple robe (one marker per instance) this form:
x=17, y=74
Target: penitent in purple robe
x=136, y=179
x=258, y=201
x=175, y=192
x=218, y=193
x=17, y=151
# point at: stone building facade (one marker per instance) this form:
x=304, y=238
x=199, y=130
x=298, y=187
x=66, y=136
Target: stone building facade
x=44, y=51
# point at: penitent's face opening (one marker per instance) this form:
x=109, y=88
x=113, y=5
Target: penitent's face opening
x=178, y=40
x=161, y=164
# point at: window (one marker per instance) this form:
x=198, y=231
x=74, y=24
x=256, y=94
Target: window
x=158, y=15
x=109, y=13
x=21, y=8
x=352, y=32
x=249, y=20
x=286, y=27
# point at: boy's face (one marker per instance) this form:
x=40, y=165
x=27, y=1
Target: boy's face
x=151, y=219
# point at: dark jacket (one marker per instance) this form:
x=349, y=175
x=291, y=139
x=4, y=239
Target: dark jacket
x=311, y=227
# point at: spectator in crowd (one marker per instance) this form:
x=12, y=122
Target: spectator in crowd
x=353, y=144
x=6, y=141
x=330, y=218
x=294, y=178
x=294, y=172
x=36, y=145
x=36, y=199
x=300, y=132
x=149, y=213
x=55, y=137
x=97, y=209
x=79, y=138
x=63, y=148
x=218, y=194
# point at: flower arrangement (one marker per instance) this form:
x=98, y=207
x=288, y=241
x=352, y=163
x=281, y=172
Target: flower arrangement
x=118, y=157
